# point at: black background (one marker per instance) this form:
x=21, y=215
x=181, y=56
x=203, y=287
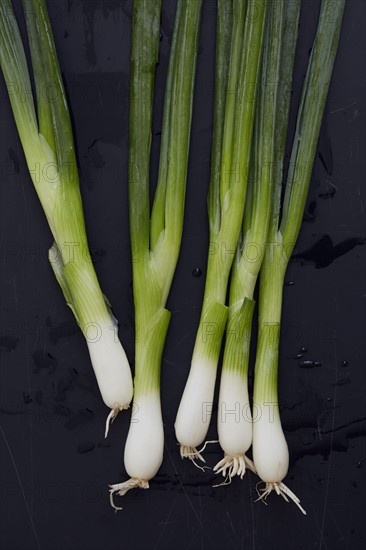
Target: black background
x=54, y=464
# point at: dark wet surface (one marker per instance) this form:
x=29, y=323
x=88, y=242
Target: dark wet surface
x=55, y=466
x=324, y=252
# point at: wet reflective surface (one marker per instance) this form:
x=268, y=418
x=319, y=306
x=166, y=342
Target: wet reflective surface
x=54, y=463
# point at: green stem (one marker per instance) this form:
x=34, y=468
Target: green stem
x=223, y=45
x=14, y=66
x=180, y=128
x=157, y=224
x=239, y=8
x=292, y=14
x=49, y=150
x=312, y=105
x=154, y=262
x=258, y=207
x=223, y=245
x=278, y=252
x=144, y=57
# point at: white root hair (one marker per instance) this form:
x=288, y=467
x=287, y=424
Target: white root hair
x=122, y=488
x=282, y=490
x=231, y=466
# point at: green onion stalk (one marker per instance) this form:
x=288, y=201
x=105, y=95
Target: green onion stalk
x=240, y=37
x=234, y=420
x=156, y=239
x=270, y=451
x=45, y=132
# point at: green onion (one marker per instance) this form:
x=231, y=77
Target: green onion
x=46, y=135
x=156, y=240
x=270, y=451
x=226, y=207
x=234, y=420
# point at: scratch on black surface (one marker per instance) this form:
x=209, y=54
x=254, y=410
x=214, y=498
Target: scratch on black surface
x=231, y=523
x=252, y=510
x=322, y=541
x=88, y=19
x=21, y=486
x=186, y=495
x=344, y=108
x=166, y=521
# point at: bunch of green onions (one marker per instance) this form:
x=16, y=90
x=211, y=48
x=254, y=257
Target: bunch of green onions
x=240, y=37
x=46, y=135
x=234, y=421
x=254, y=218
x=268, y=235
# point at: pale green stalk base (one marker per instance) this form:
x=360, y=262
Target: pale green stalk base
x=149, y=349
x=270, y=307
x=195, y=407
x=268, y=437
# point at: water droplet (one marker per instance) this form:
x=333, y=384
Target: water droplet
x=310, y=364
x=303, y=350
x=290, y=283
x=197, y=272
x=344, y=364
x=298, y=356
x=85, y=447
